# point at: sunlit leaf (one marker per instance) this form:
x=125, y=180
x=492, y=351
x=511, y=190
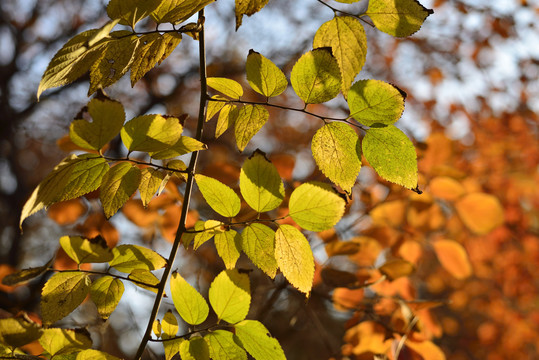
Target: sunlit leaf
x=225, y=86
x=248, y=121
x=220, y=197
x=453, y=258
x=184, y=145
x=151, y=180
x=195, y=349
x=156, y=328
x=247, y=7
x=117, y=187
x=151, y=133
x=371, y=338
x=226, y=119
x=214, y=107
x=169, y=325
x=144, y=279
x=480, y=212
x=83, y=250
x=187, y=300
x=18, y=331
x=106, y=293
x=258, y=242
x=258, y=342
x=172, y=348
x=223, y=345
x=131, y=11
x=177, y=11
x=228, y=245
x=91, y=354
x=426, y=349
x=63, y=341
x=264, y=76
x=230, y=296
x=394, y=269
x=130, y=257
x=22, y=276
x=397, y=17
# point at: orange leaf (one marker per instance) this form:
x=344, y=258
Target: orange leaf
x=453, y=258
x=394, y=269
x=137, y=214
x=389, y=213
x=96, y=224
x=480, y=212
x=446, y=188
x=346, y=299
x=342, y=248
x=427, y=350
x=368, y=337
x=67, y=212
x=6, y=270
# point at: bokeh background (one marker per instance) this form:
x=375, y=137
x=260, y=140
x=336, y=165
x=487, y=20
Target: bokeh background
x=472, y=78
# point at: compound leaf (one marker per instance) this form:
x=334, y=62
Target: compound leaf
x=177, y=11
x=223, y=346
x=83, y=250
x=169, y=325
x=258, y=242
x=18, y=331
x=151, y=133
x=131, y=11
x=144, y=279
x=247, y=7
x=264, y=76
x=248, y=121
x=375, y=102
x=225, y=86
x=172, y=347
x=228, y=245
x=106, y=293
x=397, y=17
x=195, y=349
x=227, y=118
x=118, y=185
x=187, y=300
x=91, y=354
x=63, y=341
x=151, y=180
x=257, y=340
x=230, y=296
x=130, y=257
x=184, y=145
x=220, y=197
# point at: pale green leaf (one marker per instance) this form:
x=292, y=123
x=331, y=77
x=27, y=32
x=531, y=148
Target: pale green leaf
x=116, y=57
x=214, y=107
x=199, y=237
x=73, y=177
x=225, y=86
x=63, y=341
x=228, y=245
x=144, y=279
x=316, y=77
x=248, y=121
x=83, y=250
x=258, y=342
x=397, y=17
x=294, y=257
x=220, y=197
x=207, y=229
x=172, y=348
x=258, y=242
x=169, y=325
x=151, y=133
x=151, y=180
x=247, y=7
x=348, y=41
x=22, y=276
x=184, y=145
x=389, y=151
x=375, y=102
x=118, y=185
x=191, y=306
x=316, y=206
x=230, y=296
x=18, y=331
x=91, y=354
x=131, y=12
x=260, y=183
x=195, y=349
x=106, y=293
x=264, y=76
x=223, y=345
x=130, y=257
x=337, y=151
x=227, y=118
x=62, y=293
x=108, y=117
x=177, y=11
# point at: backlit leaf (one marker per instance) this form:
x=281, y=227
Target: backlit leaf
x=130, y=257
x=18, y=331
x=131, y=11
x=480, y=212
x=172, y=347
x=220, y=197
x=22, y=276
x=426, y=349
x=375, y=102
x=187, y=300
x=260, y=183
x=108, y=117
x=150, y=181
x=223, y=346
x=91, y=354
x=258, y=342
x=316, y=77
x=294, y=257
x=392, y=155
x=177, y=11
x=184, y=145
x=144, y=279
x=348, y=41
x=63, y=341
x=247, y=7
x=228, y=245
x=117, y=187
x=62, y=293
x=151, y=133
x=106, y=293
x=83, y=250
x=397, y=17
x=264, y=76
x=258, y=242
x=394, y=269
x=226, y=119
x=371, y=338
x=453, y=258
x=214, y=107
x=337, y=151
x=169, y=325
x=248, y=121
x=230, y=296
x=444, y=187
x=316, y=206
x=195, y=349
x=225, y=86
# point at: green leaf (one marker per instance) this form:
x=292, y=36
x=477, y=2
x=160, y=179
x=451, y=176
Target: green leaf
x=337, y=151
x=257, y=340
x=22, y=276
x=187, y=300
x=294, y=257
x=389, y=151
x=18, y=331
x=260, y=183
x=73, y=177
x=223, y=346
x=169, y=325
x=116, y=57
x=142, y=278
x=316, y=77
x=172, y=347
x=316, y=206
x=220, y=197
x=131, y=12
x=83, y=250
x=106, y=293
x=264, y=76
x=118, y=185
x=150, y=181
x=230, y=296
x=130, y=257
x=151, y=133
x=228, y=245
x=62, y=293
x=194, y=349
x=225, y=86
x=211, y=228
x=348, y=41
x=258, y=242
x=247, y=7
x=199, y=237
x=177, y=11
x=248, y=121
x=184, y=145
x=214, y=107
x=375, y=102
x=63, y=341
x=397, y=17
x=153, y=48
x=227, y=118
x=91, y=354
x=108, y=118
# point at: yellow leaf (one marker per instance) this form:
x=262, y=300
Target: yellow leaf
x=390, y=213
x=453, y=258
x=247, y=7
x=480, y=212
x=446, y=188
x=366, y=337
